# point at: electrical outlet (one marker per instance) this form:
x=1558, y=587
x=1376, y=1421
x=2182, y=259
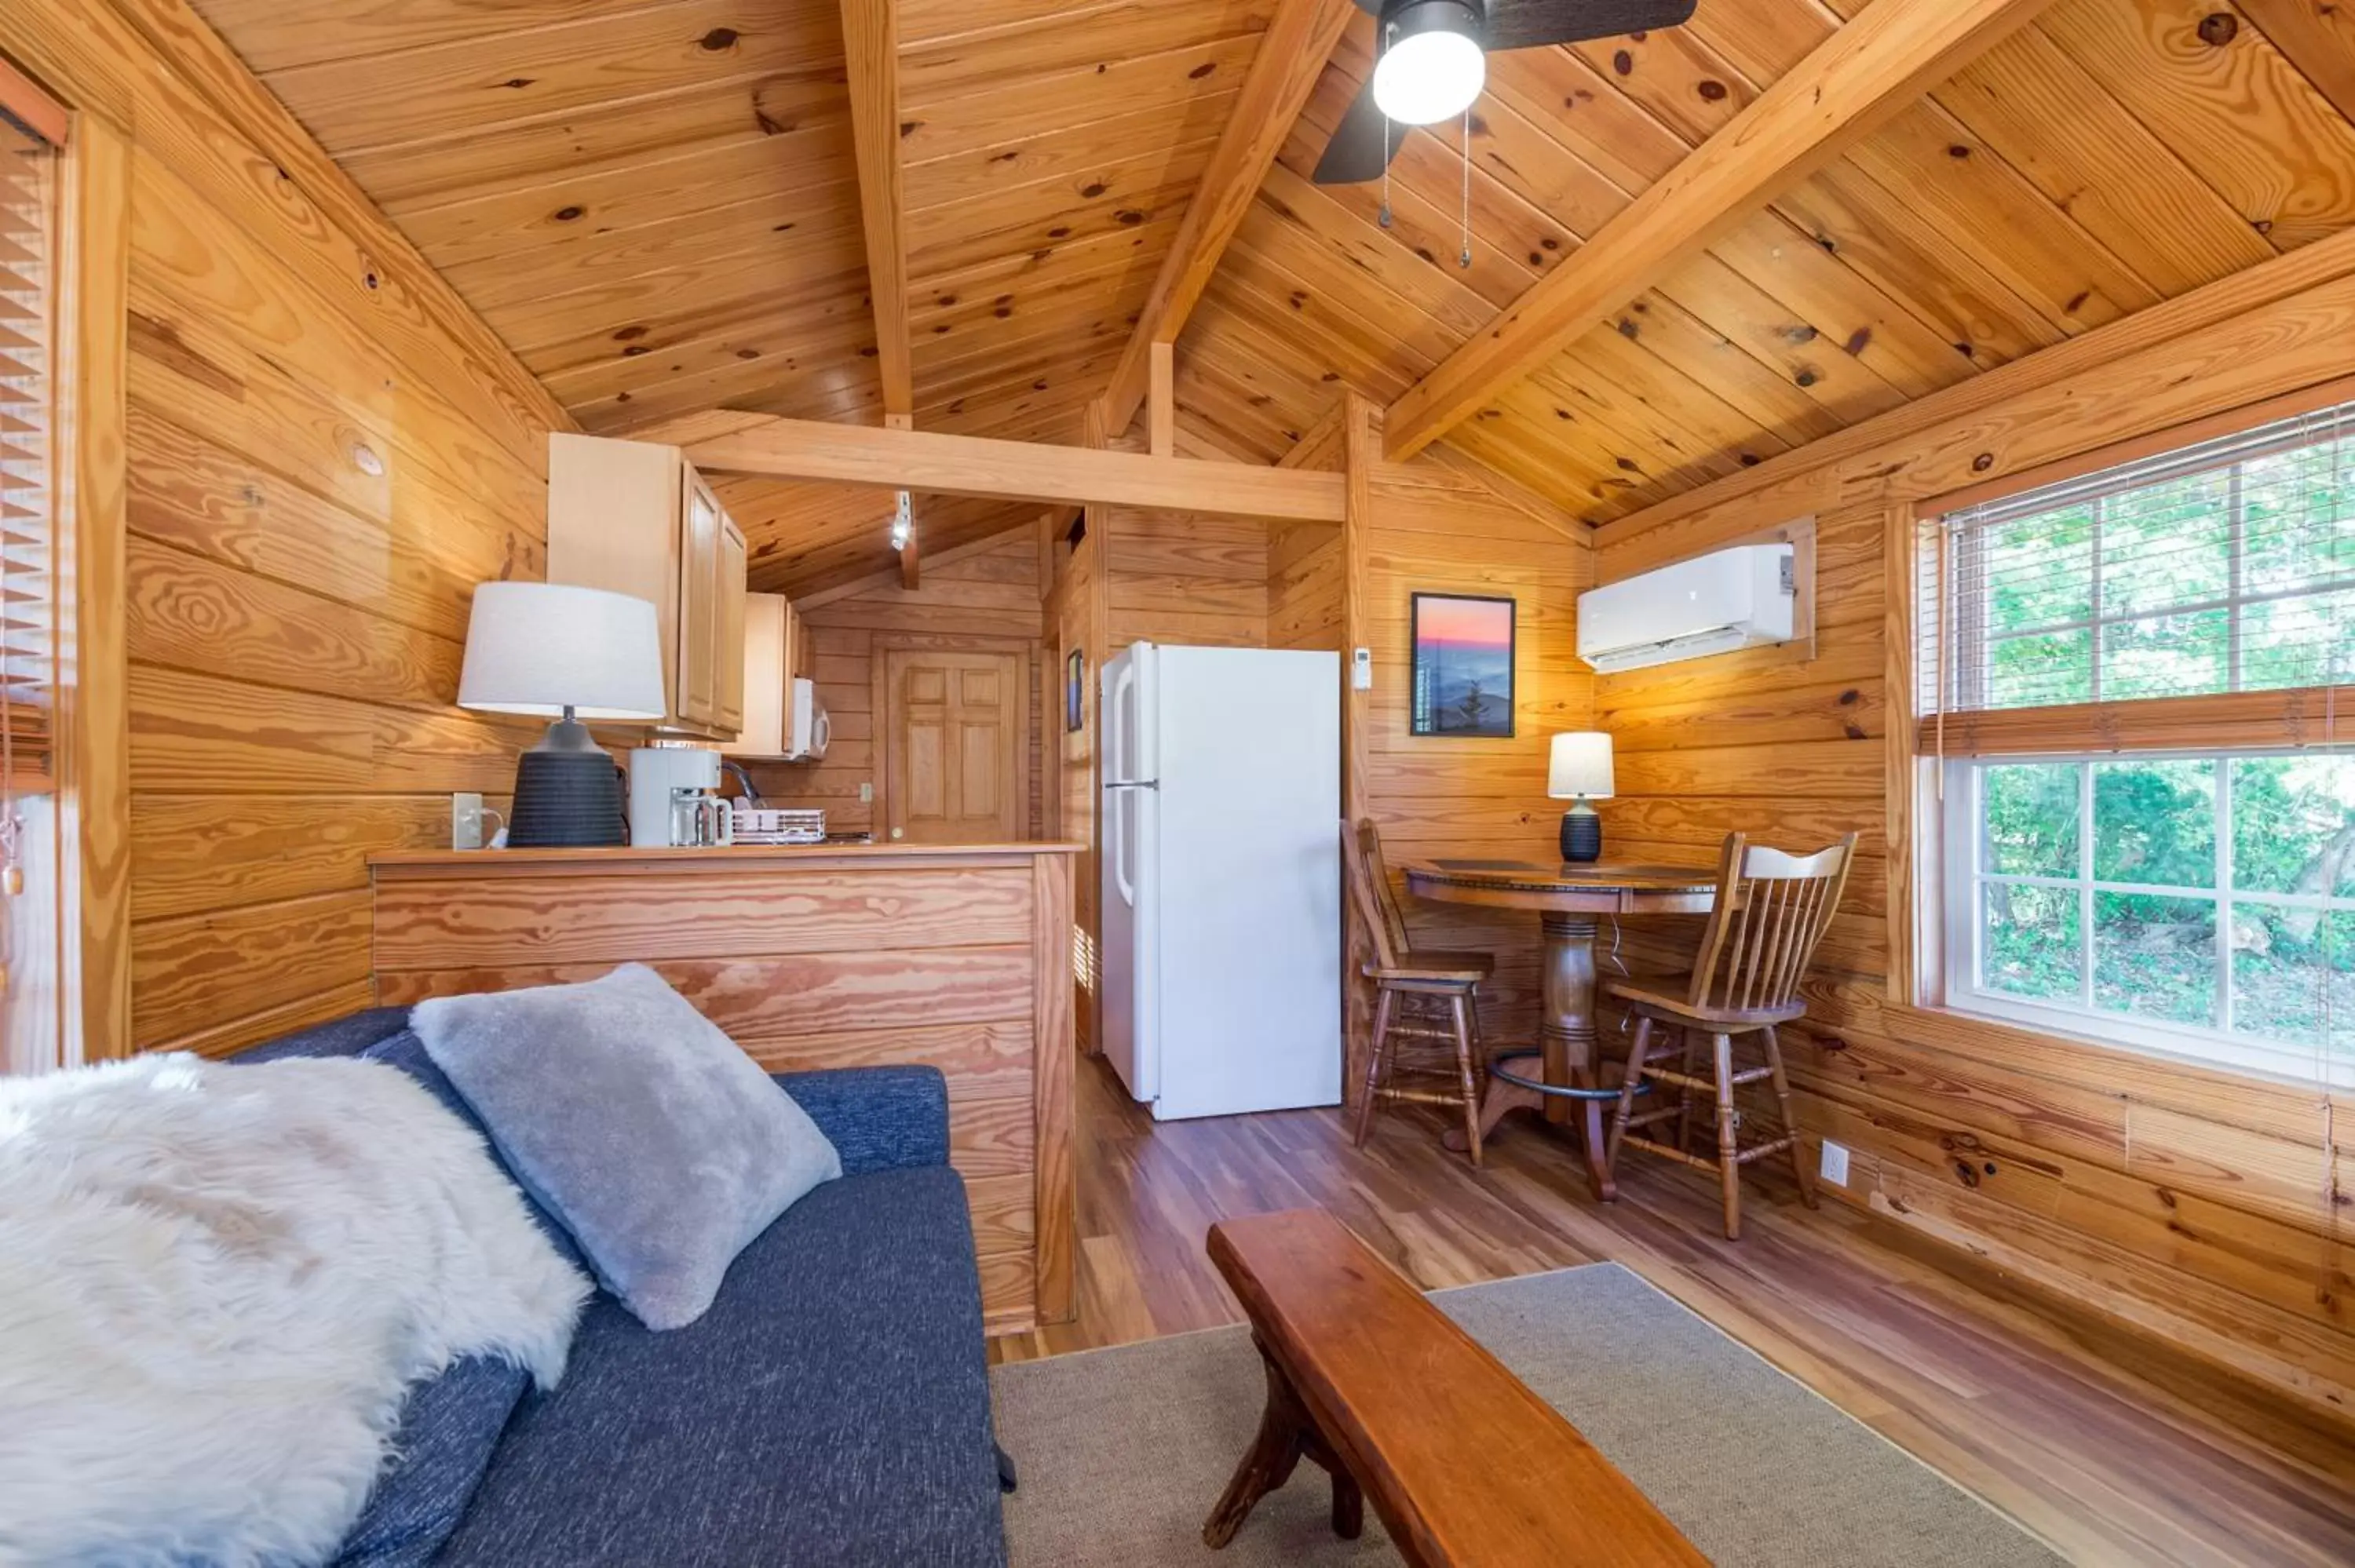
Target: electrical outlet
x=1834, y=1166
x=466, y=819
x=866, y=793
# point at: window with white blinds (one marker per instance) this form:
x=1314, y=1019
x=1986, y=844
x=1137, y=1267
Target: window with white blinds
x=2131, y=681
x=28, y=433
x=2224, y=566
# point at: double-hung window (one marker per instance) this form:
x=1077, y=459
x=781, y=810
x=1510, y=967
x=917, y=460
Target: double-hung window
x=2133, y=684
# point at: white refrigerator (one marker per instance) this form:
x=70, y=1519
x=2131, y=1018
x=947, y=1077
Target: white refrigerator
x=1221, y=968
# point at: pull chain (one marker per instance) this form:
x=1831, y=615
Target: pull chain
x=1464, y=257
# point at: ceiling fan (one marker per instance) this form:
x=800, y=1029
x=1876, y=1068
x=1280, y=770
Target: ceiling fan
x=1432, y=60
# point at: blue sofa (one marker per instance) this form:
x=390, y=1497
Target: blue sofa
x=832, y=1407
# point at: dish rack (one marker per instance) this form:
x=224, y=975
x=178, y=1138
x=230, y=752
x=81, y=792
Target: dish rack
x=767, y=825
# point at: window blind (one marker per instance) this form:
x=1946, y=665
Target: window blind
x=28, y=483
x=2204, y=595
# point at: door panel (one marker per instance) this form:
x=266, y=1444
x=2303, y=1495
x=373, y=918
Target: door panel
x=698, y=607
x=954, y=738
x=728, y=651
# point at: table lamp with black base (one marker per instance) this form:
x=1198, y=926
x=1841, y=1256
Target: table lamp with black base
x=554, y=650
x=1580, y=771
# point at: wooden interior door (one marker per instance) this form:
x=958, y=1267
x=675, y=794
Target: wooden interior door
x=954, y=734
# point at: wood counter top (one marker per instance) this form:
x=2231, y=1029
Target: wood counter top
x=624, y=860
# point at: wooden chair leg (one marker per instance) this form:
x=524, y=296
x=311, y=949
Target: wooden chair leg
x=1728, y=1159
x=1459, y=1007
x=1684, y=1095
x=1790, y=1127
x=1382, y=1005
x=1627, y=1084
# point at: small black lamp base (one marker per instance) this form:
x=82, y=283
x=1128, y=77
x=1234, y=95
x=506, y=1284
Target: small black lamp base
x=1582, y=835
x=568, y=793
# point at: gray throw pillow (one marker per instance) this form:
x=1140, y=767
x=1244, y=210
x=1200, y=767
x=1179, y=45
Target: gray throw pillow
x=631, y=1117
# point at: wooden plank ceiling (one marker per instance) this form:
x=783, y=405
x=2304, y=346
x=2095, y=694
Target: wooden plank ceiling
x=657, y=206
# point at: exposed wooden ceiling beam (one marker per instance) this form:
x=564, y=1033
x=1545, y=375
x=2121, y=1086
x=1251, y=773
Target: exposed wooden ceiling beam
x=933, y=463
x=871, y=45
x=1292, y=55
x=2319, y=39
x=1890, y=55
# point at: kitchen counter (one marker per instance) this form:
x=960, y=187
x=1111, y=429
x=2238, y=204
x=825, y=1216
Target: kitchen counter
x=955, y=955
x=622, y=859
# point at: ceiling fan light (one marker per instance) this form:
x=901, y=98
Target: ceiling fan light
x=1430, y=67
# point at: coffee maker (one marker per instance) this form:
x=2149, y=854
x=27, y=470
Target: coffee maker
x=675, y=798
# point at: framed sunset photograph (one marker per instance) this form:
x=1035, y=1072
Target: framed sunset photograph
x=1463, y=668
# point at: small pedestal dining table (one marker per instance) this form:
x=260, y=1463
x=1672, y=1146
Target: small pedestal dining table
x=1567, y=900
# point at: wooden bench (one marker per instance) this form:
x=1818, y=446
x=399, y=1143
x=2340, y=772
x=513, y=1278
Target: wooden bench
x=1367, y=1378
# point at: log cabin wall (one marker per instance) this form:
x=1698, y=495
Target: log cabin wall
x=1433, y=526
x=2204, y=1208
x=1184, y=578
x=1307, y=576
x=326, y=451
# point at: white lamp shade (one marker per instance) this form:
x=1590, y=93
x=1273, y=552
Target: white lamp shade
x=540, y=648
x=1581, y=765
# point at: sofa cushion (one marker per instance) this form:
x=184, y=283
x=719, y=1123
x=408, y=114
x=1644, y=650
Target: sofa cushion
x=349, y=1035
x=878, y=1118
x=660, y=1145
x=831, y=1408
x=448, y=1427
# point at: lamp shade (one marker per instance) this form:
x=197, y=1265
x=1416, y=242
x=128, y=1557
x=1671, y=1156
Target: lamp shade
x=540, y=648
x=1580, y=767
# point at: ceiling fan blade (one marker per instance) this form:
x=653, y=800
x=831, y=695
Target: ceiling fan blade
x=1362, y=146
x=1527, y=24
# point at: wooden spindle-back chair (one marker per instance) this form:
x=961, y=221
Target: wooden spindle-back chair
x=1417, y=995
x=1771, y=913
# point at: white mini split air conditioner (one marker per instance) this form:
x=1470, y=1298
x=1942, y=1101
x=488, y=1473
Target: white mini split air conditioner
x=1741, y=597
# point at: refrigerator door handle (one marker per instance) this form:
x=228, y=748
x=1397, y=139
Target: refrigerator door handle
x=1133, y=784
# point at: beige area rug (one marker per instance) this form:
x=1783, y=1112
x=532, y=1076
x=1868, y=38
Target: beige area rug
x=1122, y=1452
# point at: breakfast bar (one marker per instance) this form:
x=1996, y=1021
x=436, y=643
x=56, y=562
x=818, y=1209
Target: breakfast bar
x=957, y=957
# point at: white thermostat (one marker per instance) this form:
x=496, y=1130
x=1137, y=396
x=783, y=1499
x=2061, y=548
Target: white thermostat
x=1361, y=670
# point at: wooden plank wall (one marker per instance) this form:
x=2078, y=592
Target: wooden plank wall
x=991, y=594
x=1076, y=618
x=1439, y=528
x=1175, y=577
x=866, y=957
x=1306, y=577
x=325, y=453
x=2203, y=1208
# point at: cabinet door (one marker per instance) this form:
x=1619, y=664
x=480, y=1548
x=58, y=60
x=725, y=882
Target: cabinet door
x=727, y=652
x=698, y=607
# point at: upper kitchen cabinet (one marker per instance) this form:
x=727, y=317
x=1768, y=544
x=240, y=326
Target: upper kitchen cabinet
x=635, y=517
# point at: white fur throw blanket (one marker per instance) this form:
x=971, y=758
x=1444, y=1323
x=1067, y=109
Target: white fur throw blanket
x=215, y=1283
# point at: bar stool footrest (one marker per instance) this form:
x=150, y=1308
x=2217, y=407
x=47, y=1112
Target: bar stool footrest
x=1499, y=1071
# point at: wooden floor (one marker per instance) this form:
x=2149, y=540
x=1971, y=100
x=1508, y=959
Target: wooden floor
x=2112, y=1450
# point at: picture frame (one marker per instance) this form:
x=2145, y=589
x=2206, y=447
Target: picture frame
x=1075, y=692
x=1461, y=673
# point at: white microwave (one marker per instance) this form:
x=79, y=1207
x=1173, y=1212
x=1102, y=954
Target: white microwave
x=806, y=730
